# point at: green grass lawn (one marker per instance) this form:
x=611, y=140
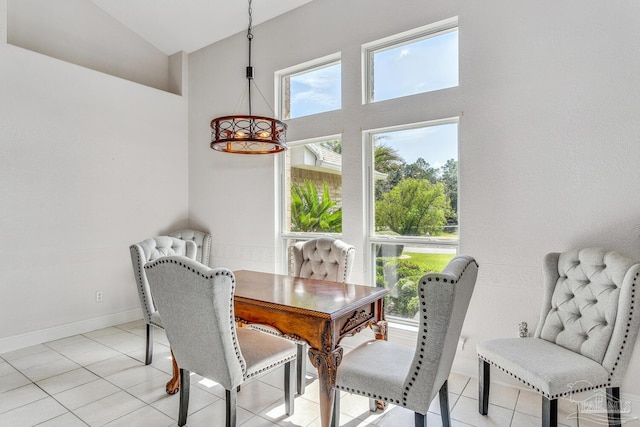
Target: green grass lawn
x=403, y=274
x=430, y=262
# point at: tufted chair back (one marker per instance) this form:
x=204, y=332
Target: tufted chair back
x=588, y=304
x=587, y=330
x=324, y=258
x=150, y=250
x=202, y=240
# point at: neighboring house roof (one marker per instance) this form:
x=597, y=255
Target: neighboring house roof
x=319, y=158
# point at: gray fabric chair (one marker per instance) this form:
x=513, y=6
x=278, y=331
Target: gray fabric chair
x=323, y=258
x=196, y=303
x=586, y=333
x=143, y=252
x=409, y=377
x=202, y=240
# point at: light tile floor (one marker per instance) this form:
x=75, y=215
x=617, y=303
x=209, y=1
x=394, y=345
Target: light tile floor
x=99, y=379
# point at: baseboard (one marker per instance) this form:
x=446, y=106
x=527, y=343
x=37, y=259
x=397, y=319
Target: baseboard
x=44, y=335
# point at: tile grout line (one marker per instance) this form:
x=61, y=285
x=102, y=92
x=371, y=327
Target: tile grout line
x=513, y=413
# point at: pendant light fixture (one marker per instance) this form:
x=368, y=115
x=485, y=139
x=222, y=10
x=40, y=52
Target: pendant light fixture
x=248, y=134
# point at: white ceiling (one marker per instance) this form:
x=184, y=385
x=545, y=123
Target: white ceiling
x=188, y=25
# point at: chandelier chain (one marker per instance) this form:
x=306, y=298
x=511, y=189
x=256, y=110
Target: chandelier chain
x=249, y=67
x=249, y=34
x=249, y=134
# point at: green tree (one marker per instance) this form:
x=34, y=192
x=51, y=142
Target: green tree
x=311, y=212
x=449, y=178
x=386, y=158
x=420, y=169
x=413, y=207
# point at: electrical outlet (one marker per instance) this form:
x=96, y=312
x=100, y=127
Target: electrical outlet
x=99, y=296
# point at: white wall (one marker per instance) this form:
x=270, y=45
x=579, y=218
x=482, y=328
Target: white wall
x=89, y=164
x=549, y=150
x=549, y=138
x=80, y=32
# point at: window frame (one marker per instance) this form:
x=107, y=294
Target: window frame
x=285, y=234
x=371, y=238
x=415, y=35
x=361, y=233
x=281, y=75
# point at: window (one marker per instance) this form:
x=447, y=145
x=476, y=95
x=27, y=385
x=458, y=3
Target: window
x=310, y=90
x=419, y=62
x=401, y=182
x=312, y=190
x=414, y=209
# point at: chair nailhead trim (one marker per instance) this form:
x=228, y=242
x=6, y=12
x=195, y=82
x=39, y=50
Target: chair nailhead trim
x=211, y=273
x=613, y=369
x=547, y=395
x=423, y=331
x=144, y=297
x=266, y=368
x=369, y=395
x=629, y=322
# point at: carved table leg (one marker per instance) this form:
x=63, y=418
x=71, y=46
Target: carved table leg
x=173, y=386
x=327, y=366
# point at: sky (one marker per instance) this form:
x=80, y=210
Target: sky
x=435, y=144
x=316, y=91
x=415, y=67
x=420, y=66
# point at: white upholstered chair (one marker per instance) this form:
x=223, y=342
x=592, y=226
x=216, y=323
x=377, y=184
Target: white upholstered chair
x=198, y=315
x=323, y=258
x=407, y=377
x=587, y=329
x=143, y=252
x=202, y=240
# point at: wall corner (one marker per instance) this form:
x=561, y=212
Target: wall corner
x=178, y=73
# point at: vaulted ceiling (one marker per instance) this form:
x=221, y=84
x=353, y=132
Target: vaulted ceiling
x=188, y=25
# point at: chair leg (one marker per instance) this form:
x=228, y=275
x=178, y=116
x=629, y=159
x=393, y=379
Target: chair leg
x=289, y=384
x=484, y=379
x=149, y=352
x=443, y=396
x=421, y=420
x=549, y=412
x=335, y=417
x=301, y=370
x=613, y=406
x=231, y=405
x=185, y=381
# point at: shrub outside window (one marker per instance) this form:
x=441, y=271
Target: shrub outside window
x=312, y=191
x=414, y=211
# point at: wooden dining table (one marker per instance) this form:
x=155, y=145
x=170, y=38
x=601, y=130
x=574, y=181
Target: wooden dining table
x=319, y=312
